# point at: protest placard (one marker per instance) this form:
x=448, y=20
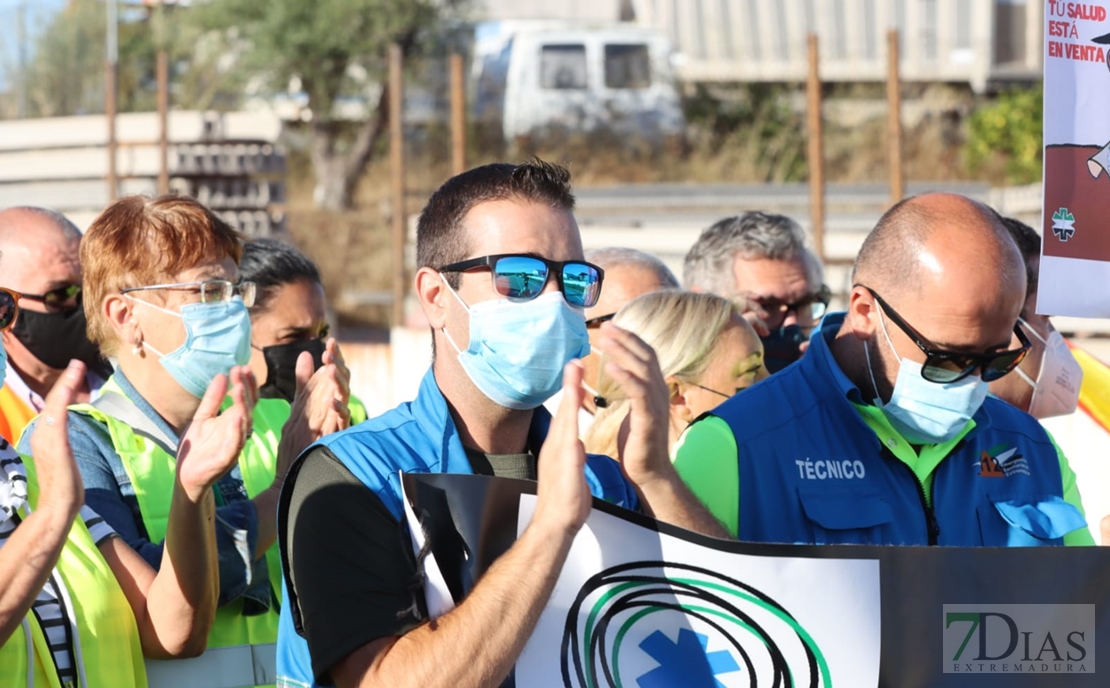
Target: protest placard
x=641, y=604
x=1075, y=258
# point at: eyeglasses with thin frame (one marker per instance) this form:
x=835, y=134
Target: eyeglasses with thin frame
x=710, y=389
x=211, y=291
x=61, y=299
x=808, y=310
x=522, y=277
x=943, y=366
x=9, y=307
x=594, y=323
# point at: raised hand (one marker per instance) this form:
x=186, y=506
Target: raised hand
x=643, y=439
x=754, y=313
x=563, y=496
x=319, y=405
x=60, y=484
x=213, y=441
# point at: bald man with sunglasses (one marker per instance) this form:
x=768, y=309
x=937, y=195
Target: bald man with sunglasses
x=884, y=433
x=43, y=270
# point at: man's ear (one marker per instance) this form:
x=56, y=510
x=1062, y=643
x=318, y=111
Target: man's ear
x=679, y=407
x=861, y=318
x=432, y=294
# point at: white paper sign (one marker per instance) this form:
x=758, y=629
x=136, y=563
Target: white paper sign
x=638, y=609
x=1075, y=254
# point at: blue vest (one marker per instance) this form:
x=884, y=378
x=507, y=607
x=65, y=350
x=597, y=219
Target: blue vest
x=417, y=437
x=812, y=471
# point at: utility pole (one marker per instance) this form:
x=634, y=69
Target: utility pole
x=397, y=171
x=111, y=59
x=815, y=150
x=896, y=169
x=458, y=115
x=161, y=37
x=21, y=38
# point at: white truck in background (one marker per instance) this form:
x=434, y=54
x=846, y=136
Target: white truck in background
x=540, y=79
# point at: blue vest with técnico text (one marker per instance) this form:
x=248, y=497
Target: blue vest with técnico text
x=812, y=471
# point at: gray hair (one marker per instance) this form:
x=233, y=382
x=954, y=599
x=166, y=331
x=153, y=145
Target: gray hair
x=612, y=256
x=753, y=235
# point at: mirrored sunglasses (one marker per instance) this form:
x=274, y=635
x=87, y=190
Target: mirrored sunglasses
x=9, y=307
x=523, y=277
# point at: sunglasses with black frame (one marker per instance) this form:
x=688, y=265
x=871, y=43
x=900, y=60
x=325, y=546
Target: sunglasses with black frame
x=522, y=277
x=943, y=366
x=62, y=299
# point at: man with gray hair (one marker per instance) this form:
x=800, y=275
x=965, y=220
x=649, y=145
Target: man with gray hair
x=628, y=274
x=762, y=260
x=39, y=249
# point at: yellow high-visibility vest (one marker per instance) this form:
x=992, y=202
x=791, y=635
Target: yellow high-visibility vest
x=107, y=652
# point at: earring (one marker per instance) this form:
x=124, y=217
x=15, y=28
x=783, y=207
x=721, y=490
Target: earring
x=137, y=349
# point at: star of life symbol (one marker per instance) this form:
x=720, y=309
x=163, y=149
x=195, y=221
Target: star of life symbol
x=686, y=662
x=1063, y=224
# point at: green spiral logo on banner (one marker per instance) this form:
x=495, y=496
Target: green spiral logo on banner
x=621, y=633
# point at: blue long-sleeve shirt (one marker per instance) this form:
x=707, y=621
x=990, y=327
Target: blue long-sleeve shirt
x=108, y=491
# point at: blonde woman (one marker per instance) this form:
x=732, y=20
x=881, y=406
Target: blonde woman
x=706, y=350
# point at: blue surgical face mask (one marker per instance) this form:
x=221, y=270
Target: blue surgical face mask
x=3, y=363
x=518, y=349
x=217, y=338
x=926, y=412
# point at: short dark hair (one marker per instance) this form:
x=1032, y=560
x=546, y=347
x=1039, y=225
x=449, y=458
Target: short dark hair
x=271, y=263
x=438, y=239
x=1029, y=244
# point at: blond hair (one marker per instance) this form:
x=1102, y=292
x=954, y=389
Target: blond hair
x=682, y=327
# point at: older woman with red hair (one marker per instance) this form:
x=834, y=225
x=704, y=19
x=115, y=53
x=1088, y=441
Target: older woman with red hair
x=163, y=297
x=78, y=606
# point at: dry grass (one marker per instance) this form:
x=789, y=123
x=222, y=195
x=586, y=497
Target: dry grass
x=353, y=249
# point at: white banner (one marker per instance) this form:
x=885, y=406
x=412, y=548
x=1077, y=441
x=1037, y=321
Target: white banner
x=642, y=604
x=641, y=609
x=1075, y=257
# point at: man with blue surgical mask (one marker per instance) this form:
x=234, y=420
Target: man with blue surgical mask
x=503, y=284
x=884, y=433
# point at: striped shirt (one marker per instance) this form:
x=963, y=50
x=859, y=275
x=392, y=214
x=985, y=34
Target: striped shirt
x=49, y=608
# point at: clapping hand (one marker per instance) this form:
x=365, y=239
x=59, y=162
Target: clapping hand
x=213, y=441
x=643, y=439
x=59, y=480
x=562, y=495
x=320, y=405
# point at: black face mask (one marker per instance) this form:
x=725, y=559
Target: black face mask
x=56, y=338
x=782, y=347
x=281, y=367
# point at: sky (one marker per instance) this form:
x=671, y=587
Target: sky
x=36, y=14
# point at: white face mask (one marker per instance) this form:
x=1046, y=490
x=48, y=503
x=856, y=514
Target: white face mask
x=1056, y=389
